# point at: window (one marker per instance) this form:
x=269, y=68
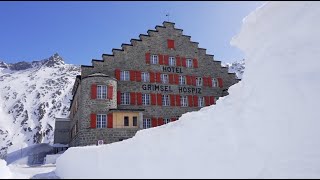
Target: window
x=146, y=123
x=125, y=98
x=200, y=101
x=165, y=100
x=172, y=61
x=166, y=120
x=135, y=121
x=184, y=101
x=199, y=81
x=101, y=121
x=182, y=80
x=154, y=59
x=189, y=62
x=126, y=121
x=164, y=78
x=145, y=76
x=214, y=82
x=102, y=92
x=124, y=76
x=145, y=99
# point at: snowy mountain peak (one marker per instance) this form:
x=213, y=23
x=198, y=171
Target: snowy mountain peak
x=3, y=65
x=54, y=60
x=236, y=67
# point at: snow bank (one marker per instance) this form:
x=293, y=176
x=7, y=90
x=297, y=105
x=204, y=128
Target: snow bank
x=51, y=158
x=268, y=127
x=4, y=170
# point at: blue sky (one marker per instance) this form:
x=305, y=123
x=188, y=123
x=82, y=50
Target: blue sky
x=82, y=31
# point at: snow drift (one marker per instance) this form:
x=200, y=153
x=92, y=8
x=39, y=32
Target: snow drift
x=268, y=127
x=4, y=170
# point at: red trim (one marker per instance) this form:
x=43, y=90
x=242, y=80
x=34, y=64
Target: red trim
x=220, y=82
x=212, y=100
x=195, y=101
x=171, y=80
x=190, y=101
x=139, y=98
x=110, y=120
x=153, y=99
x=205, y=81
x=184, y=62
x=93, y=121
x=176, y=78
x=132, y=98
x=173, y=119
x=154, y=122
x=138, y=76
x=152, y=77
x=158, y=77
x=110, y=92
x=207, y=100
x=118, y=97
x=195, y=63
x=170, y=43
x=147, y=58
x=189, y=80
x=132, y=75
x=160, y=121
x=166, y=60
x=172, y=100
x=160, y=59
x=178, y=100
x=194, y=81
x=94, y=91
x=117, y=74
x=209, y=81
x=159, y=99
x=178, y=61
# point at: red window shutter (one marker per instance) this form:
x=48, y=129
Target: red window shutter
x=195, y=63
x=93, y=91
x=160, y=121
x=189, y=82
x=195, y=101
x=160, y=59
x=220, y=82
x=93, y=121
x=132, y=98
x=159, y=99
x=132, y=75
x=154, y=122
x=138, y=76
x=139, y=98
x=190, y=101
x=152, y=77
x=166, y=60
x=194, y=81
x=184, y=62
x=205, y=81
x=110, y=120
x=211, y=100
x=172, y=100
x=170, y=43
x=110, y=92
x=148, y=58
x=178, y=100
x=178, y=61
x=117, y=74
x=153, y=99
x=171, y=79
x=209, y=81
x=173, y=119
x=118, y=97
x=176, y=78
x=207, y=100
x=158, y=77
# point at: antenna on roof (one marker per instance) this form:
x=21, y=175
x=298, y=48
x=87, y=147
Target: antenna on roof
x=168, y=16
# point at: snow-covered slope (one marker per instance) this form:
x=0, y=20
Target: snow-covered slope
x=31, y=95
x=235, y=67
x=5, y=172
x=268, y=127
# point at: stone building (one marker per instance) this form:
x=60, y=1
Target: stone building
x=148, y=83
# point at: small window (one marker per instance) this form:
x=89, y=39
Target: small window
x=199, y=81
x=189, y=63
x=164, y=78
x=166, y=120
x=201, y=101
x=146, y=123
x=124, y=76
x=154, y=59
x=125, y=98
x=182, y=80
x=126, y=121
x=214, y=82
x=165, y=100
x=172, y=61
x=101, y=121
x=184, y=101
x=145, y=76
x=146, y=99
x=102, y=92
x=135, y=121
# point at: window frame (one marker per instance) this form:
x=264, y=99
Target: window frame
x=100, y=120
x=165, y=100
x=154, y=59
x=199, y=81
x=163, y=79
x=146, y=123
x=145, y=76
x=214, y=82
x=184, y=101
x=172, y=61
x=124, y=75
x=125, y=97
x=144, y=99
x=201, y=101
x=182, y=80
x=189, y=63
x=134, y=121
x=100, y=93
x=166, y=120
x=124, y=121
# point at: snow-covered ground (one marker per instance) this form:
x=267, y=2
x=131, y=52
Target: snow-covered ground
x=268, y=127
